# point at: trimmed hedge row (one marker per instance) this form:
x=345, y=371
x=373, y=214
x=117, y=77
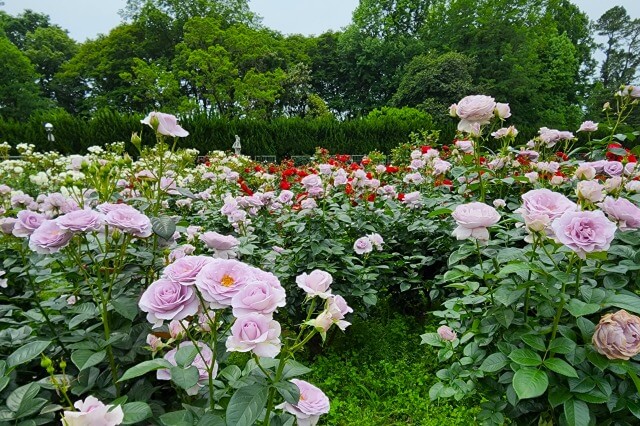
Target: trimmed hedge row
x=280, y=137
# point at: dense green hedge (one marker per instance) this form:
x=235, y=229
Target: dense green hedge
x=280, y=137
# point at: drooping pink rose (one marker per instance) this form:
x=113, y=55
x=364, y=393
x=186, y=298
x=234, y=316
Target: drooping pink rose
x=316, y=283
x=259, y=296
x=312, y=403
x=184, y=270
x=49, y=238
x=584, y=231
x=220, y=280
x=168, y=300
x=446, y=333
x=27, y=222
x=473, y=219
x=257, y=333
x=622, y=211
x=203, y=361
x=81, y=221
x=165, y=124
x=129, y=221
x=92, y=412
x=617, y=335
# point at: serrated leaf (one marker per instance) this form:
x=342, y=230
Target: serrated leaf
x=535, y=341
x=185, y=355
x=21, y=394
x=246, y=404
x=530, y=383
x=84, y=358
x=294, y=369
x=289, y=391
x=163, y=226
x=126, y=307
x=185, y=377
x=562, y=345
x=26, y=353
x=145, y=367
x=525, y=357
x=561, y=367
x=494, y=362
x=576, y=412
x=578, y=308
x=177, y=418
x=135, y=412
x=210, y=419
x=624, y=301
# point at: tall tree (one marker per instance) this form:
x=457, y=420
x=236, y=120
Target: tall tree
x=389, y=18
x=17, y=27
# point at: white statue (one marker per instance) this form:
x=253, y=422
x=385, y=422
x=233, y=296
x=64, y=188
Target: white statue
x=236, y=145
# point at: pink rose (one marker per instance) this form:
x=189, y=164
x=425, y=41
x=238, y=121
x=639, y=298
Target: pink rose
x=622, y=211
x=363, y=245
x=165, y=124
x=27, y=222
x=503, y=111
x=262, y=297
x=543, y=206
x=257, y=333
x=588, y=126
x=49, y=238
x=223, y=246
x=184, y=270
x=316, y=283
x=130, y=221
x=203, y=361
x=311, y=181
x=7, y=224
x=590, y=190
x=312, y=403
x=585, y=171
x=584, y=231
x=617, y=336
x=613, y=168
x=168, y=300
x=475, y=110
x=473, y=219
x=220, y=280
x=446, y=333
x=81, y=221
x=154, y=342
x=92, y=412
x=465, y=146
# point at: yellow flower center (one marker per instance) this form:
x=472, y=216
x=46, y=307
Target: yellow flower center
x=227, y=280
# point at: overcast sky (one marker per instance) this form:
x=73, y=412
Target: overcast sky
x=87, y=18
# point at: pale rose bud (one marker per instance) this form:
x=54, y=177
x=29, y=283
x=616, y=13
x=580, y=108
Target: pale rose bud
x=613, y=183
x=446, y=333
x=71, y=300
x=588, y=126
x=590, y=190
x=453, y=110
x=606, y=106
x=617, y=336
x=175, y=329
x=585, y=171
x=154, y=342
x=556, y=180
x=499, y=203
x=632, y=186
x=503, y=111
x=532, y=176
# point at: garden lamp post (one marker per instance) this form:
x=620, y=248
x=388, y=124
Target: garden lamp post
x=49, y=128
x=236, y=145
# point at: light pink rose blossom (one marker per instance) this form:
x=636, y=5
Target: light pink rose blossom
x=475, y=110
x=224, y=246
x=316, y=283
x=257, y=333
x=363, y=245
x=130, y=221
x=168, y=300
x=584, y=231
x=588, y=126
x=221, y=279
x=446, y=333
x=259, y=296
x=622, y=211
x=27, y=222
x=503, y=111
x=542, y=206
x=473, y=219
x=590, y=190
x=184, y=270
x=82, y=221
x=92, y=412
x=49, y=238
x=312, y=403
x=165, y=124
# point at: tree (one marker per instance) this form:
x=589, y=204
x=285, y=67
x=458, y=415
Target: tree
x=16, y=28
x=19, y=94
x=391, y=18
x=48, y=48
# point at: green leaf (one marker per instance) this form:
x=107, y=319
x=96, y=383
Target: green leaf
x=624, y=301
x=289, y=391
x=30, y=407
x=20, y=395
x=562, y=345
x=185, y=355
x=135, y=412
x=84, y=358
x=370, y=299
x=431, y=339
x=530, y=383
x=246, y=405
x=177, y=418
x=576, y=412
x=512, y=268
x=185, y=377
x=145, y=367
x=126, y=307
x=561, y=367
x=4, y=381
x=494, y=362
x=525, y=357
x=231, y=373
x=535, y=341
x=26, y=353
x=578, y=308
x=210, y=419
x=163, y=226
x=558, y=395
x=294, y=369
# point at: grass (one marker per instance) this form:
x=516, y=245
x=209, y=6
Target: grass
x=377, y=373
